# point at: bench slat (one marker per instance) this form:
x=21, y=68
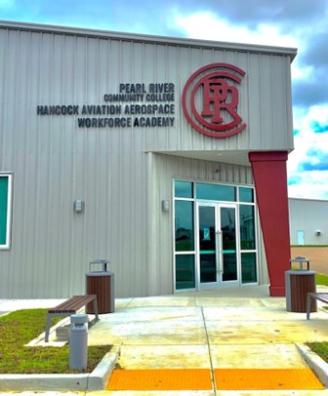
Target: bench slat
x=73, y=304
x=69, y=307
x=320, y=296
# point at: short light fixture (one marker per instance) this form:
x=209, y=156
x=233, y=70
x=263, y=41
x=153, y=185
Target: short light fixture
x=217, y=169
x=165, y=205
x=78, y=206
x=317, y=232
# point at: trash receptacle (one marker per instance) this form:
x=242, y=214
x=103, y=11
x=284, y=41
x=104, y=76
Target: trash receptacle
x=299, y=282
x=100, y=281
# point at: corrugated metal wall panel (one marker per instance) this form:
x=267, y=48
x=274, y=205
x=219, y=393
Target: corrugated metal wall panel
x=54, y=162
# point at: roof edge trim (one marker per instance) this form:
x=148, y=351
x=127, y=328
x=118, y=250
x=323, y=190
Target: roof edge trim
x=147, y=38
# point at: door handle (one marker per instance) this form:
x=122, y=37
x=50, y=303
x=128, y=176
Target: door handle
x=218, y=236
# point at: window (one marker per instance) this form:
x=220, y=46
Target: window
x=194, y=233
x=5, y=210
x=246, y=194
x=185, y=271
x=248, y=265
x=248, y=243
x=184, y=226
x=183, y=189
x=215, y=192
x=247, y=227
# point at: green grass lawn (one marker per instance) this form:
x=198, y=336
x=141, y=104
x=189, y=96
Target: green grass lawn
x=20, y=327
x=321, y=279
x=321, y=348
x=306, y=246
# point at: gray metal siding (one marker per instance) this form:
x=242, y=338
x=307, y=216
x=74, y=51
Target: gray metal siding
x=57, y=69
x=54, y=162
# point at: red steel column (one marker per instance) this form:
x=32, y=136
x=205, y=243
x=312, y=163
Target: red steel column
x=270, y=177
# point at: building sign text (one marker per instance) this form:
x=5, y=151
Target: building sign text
x=135, y=105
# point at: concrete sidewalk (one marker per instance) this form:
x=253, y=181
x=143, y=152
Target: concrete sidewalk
x=208, y=331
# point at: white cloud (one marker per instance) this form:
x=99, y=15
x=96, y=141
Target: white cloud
x=301, y=72
x=309, y=184
x=207, y=26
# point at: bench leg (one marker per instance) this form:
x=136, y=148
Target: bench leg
x=48, y=324
x=308, y=306
x=95, y=308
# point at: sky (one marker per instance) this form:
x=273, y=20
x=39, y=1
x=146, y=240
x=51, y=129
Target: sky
x=289, y=23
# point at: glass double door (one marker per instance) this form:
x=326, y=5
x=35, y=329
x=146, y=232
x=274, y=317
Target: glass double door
x=217, y=256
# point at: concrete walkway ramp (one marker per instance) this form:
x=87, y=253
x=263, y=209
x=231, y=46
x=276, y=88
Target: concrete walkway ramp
x=210, y=346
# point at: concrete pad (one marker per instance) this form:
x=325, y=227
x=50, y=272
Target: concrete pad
x=150, y=314
x=152, y=393
x=256, y=356
x=170, y=301
x=164, y=356
x=323, y=392
x=153, y=333
x=43, y=393
x=249, y=313
x=121, y=303
x=228, y=302
x=266, y=332
x=249, y=291
x=274, y=302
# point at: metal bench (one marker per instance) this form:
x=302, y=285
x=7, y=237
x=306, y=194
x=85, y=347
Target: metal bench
x=314, y=296
x=70, y=307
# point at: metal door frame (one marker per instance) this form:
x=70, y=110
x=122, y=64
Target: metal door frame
x=219, y=252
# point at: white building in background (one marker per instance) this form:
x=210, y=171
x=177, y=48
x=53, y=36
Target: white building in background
x=308, y=221
x=166, y=156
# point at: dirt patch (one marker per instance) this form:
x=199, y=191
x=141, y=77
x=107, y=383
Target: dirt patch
x=318, y=257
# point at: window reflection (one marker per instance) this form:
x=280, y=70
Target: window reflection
x=248, y=267
x=184, y=226
x=247, y=227
x=185, y=271
x=246, y=194
x=215, y=192
x=183, y=189
x=228, y=228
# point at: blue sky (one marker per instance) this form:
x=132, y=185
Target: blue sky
x=292, y=23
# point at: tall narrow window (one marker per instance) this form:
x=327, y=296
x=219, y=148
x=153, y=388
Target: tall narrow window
x=5, y=210
x=184, y=226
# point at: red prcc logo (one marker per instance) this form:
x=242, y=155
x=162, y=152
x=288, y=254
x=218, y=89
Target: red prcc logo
x=210, y=99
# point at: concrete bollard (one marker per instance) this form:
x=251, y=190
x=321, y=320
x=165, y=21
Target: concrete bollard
x=78, y=341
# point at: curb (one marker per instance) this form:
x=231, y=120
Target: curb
x=318, y=365
x=52, y=382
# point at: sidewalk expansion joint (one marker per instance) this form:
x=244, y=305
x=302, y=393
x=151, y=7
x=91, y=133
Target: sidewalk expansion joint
x=213, y=379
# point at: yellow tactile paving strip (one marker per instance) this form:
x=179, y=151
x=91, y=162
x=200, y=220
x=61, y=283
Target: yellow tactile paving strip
x=266, y=379
x=226, y=379
x=160, y=379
